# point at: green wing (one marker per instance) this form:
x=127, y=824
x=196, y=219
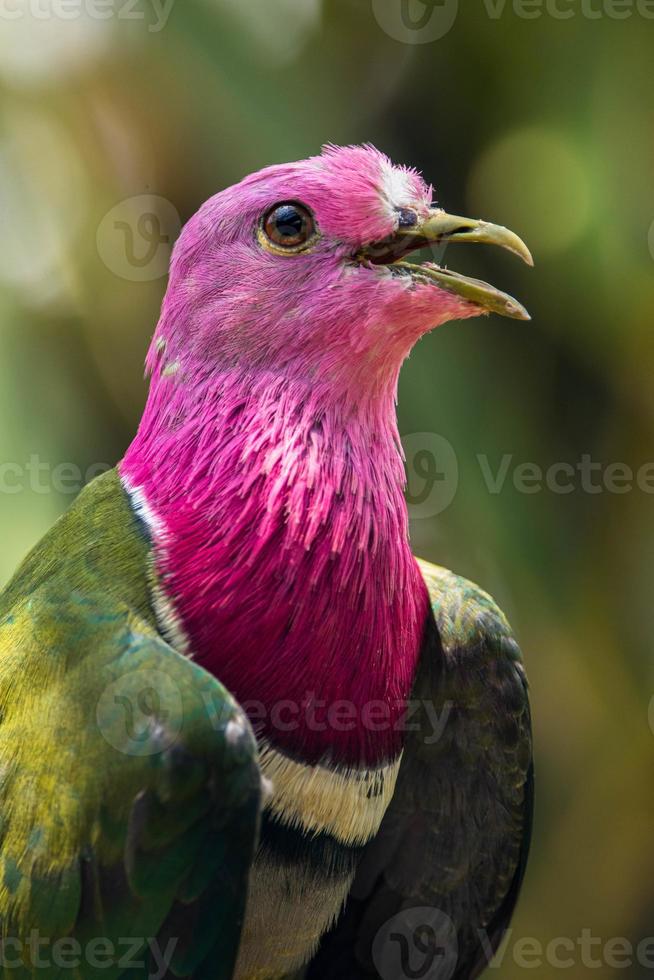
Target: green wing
x=436, y=888
x=129, y=784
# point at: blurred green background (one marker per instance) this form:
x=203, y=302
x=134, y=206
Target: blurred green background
x=543, y=123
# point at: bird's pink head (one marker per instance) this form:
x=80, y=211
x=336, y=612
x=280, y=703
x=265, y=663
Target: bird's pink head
x=294, y=270
x=267, y=462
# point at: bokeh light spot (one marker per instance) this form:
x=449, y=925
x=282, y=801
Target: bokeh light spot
x=533, y=181
x=38, y=44
x=43, y=200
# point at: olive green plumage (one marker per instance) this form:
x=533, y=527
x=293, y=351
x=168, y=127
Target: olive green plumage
x=130, y=792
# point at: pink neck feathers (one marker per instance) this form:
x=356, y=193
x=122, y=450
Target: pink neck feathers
x=283, y=547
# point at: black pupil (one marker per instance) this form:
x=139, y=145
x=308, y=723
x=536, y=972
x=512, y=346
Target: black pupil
x=288, y=222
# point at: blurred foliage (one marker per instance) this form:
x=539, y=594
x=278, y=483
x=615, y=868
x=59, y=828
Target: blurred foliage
x=542, y=124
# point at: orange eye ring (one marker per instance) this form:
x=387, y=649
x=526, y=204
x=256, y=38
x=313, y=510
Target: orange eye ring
x=289, y=226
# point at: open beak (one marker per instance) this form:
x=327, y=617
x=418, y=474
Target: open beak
x=440, y=228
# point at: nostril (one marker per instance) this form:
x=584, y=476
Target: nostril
x=407, y=218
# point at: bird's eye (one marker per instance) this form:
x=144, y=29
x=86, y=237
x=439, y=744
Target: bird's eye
x=289, y=226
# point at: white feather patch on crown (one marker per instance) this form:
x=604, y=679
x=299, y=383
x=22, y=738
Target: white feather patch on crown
x=397, y=188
